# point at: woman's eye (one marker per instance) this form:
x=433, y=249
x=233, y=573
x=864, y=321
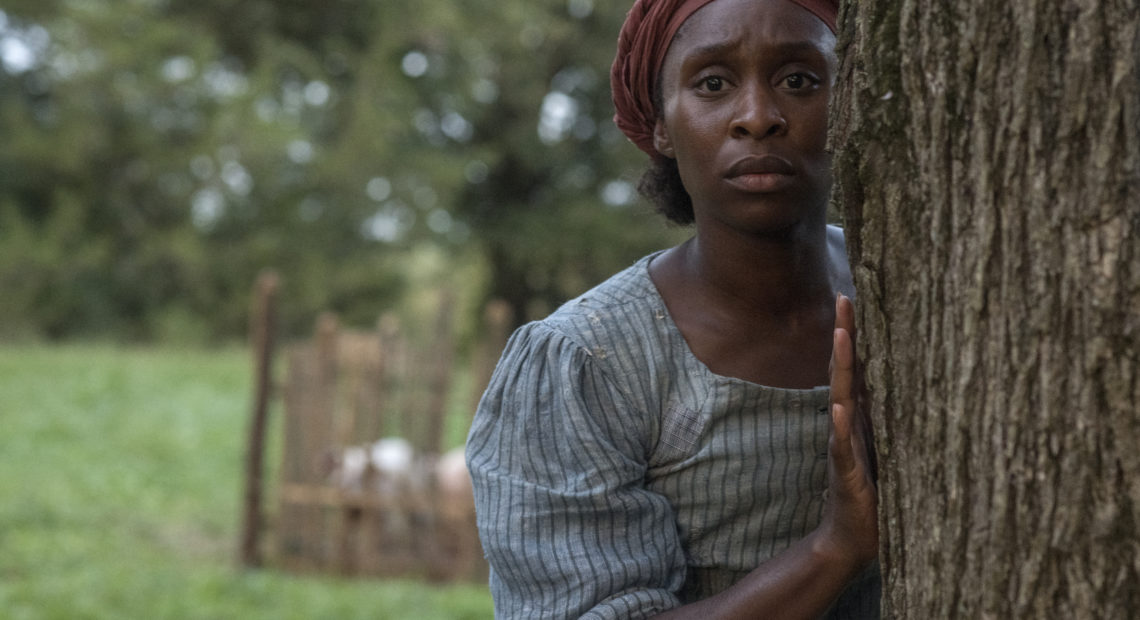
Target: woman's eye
x=713, y=84
x=797, y=81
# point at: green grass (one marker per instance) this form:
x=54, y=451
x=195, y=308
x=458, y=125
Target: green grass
x=120, y=481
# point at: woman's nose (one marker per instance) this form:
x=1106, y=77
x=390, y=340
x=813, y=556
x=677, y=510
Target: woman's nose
x=757, y=114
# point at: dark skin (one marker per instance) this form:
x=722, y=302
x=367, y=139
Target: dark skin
x=761, y=292
x=766, y=325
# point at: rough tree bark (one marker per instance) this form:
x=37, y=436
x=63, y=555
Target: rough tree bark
x=988, y=168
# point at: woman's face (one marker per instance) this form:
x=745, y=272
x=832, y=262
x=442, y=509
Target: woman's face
x=745, y=86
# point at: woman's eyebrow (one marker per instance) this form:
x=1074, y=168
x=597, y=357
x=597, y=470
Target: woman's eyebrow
x=799, y=48
x=710, y=51
x=783, y=48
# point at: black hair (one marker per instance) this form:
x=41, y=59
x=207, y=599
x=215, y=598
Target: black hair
x=661, y=182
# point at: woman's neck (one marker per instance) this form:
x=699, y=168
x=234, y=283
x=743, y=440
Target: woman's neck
x=759, y=309
x=755, y=276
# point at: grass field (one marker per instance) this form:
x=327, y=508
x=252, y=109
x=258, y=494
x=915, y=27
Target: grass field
x=120, y=482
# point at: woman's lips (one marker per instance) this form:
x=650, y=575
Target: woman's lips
x=761, y=174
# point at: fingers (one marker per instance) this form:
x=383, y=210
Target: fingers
x=862, y=427
x=842, y=453
x=843, y=346
x=852, y=499
x=849, y=451
x=843, y=369
x=862, y=444
x=845, y=314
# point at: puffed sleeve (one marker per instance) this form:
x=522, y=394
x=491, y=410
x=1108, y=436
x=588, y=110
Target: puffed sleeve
x=558, y=460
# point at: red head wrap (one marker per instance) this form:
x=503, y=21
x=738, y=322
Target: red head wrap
x=645, y=37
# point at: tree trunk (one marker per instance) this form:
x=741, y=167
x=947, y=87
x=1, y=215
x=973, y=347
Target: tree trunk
x=988, y=168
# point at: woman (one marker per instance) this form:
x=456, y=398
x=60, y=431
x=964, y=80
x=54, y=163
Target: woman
x=660, y=446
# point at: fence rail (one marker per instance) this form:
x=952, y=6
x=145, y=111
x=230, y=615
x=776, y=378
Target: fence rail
x=343, y=506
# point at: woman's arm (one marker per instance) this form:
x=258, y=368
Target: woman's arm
x=805, y=579
x=557, y=458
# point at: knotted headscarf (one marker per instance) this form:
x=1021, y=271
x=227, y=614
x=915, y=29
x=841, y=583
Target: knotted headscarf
x=644, y=39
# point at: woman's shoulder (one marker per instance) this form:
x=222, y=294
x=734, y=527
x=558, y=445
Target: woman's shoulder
x=618, y=331
x=613, y=347
x=623, y=310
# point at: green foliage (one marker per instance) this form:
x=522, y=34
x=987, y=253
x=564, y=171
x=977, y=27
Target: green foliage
x=158, y=155
x=120, y=472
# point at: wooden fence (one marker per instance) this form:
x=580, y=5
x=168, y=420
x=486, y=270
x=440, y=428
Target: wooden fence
x=343, y=392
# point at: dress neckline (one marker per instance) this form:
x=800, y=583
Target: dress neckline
x=678, y=342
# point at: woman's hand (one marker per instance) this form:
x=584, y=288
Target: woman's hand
x=849, y=529
x=805, y=579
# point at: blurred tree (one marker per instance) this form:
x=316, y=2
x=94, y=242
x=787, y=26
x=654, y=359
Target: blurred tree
x=159, y=154
x=550, y=190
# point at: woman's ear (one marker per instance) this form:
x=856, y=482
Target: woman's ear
x=661, y=140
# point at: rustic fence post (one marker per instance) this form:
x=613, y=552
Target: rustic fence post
x=344, y=390
x=262, y=328
x=440, y=354
x=496, y=331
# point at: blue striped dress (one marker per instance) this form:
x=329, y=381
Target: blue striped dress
x=616, y=476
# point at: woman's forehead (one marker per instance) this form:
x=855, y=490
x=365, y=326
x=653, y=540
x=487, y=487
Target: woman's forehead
x=649, y=32
x=724, y=25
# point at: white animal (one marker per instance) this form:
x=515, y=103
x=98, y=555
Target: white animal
x=389, y=466
x=392, y=454
x=451, y=475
